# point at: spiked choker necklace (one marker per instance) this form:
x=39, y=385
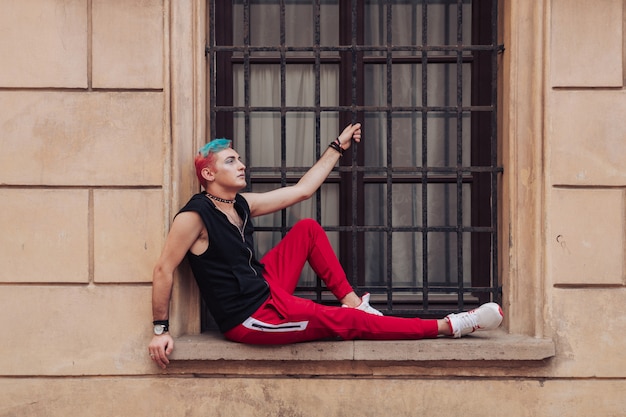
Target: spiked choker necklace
x=221, y=200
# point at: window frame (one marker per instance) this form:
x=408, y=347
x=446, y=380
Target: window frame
x=522, y=257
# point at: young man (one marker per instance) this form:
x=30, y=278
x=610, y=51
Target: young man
x=252, y=301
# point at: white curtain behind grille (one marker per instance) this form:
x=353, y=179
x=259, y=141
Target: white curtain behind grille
x=406, y=144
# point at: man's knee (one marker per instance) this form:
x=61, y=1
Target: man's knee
x=308, y=224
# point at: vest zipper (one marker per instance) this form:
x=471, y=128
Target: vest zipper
x=243, y=228
x=245, y=221
x=243, y=237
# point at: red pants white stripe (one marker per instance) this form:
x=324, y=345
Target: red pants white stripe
x=284, y=318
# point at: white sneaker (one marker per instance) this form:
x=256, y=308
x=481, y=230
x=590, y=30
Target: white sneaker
x=486, y=317
x=365, y=306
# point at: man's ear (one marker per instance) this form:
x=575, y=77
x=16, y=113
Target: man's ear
x=207, y=174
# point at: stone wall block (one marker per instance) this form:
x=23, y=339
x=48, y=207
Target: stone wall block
x=67, y=138
x=586, y=43
x=128, y=234
x=128, y=44
x=44, y=236
x=586, y=236
x=70, y=330
x=43, y=43
x=311, y=397
x=587, y=137
x=589, y=327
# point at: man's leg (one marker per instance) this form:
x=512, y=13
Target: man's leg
x=285, y=319
x=305, y=242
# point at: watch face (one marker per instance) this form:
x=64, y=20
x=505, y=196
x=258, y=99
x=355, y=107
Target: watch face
x=158, y=329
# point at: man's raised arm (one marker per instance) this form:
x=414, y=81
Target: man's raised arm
x=280, y=198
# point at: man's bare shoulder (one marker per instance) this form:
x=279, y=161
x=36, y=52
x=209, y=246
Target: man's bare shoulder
x=187, y=220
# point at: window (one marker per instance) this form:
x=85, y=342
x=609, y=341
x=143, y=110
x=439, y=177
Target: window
x=412, y=211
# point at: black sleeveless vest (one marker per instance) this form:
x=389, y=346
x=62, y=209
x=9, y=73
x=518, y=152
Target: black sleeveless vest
x=228, y=274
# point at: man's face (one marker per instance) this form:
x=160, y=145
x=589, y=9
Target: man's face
x=228, y=170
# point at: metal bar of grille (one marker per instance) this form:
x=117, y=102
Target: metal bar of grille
x=318, y=127
x=447, y=238
x=355, y=108
x=210, y=55
x=424, y=182
x=459, y=156
x=356, y=48
x=246, y=83
x=388, y=136
x=283, y=114
x=415, y=132
x=496, y=288
x=353, y=42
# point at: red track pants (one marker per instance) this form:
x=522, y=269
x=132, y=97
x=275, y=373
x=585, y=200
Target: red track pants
x=285, y=318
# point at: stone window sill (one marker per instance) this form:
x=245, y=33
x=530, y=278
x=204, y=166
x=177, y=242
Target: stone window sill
x=487, y=346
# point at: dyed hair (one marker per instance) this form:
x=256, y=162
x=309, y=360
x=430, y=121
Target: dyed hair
x=206, y=156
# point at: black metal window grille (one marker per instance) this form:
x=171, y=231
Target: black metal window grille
x=418, y=90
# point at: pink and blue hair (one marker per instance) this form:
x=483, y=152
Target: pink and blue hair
x=206, y=156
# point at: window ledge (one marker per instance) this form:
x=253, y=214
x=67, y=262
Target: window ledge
x=482, y=346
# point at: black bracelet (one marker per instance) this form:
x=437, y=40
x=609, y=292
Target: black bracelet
x=336, y=147
x=162, y=322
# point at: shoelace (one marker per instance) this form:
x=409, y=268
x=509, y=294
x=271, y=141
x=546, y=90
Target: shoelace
x=466, y=322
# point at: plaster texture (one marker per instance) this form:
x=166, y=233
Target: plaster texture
x=102, y=108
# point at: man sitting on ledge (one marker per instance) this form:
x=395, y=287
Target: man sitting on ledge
x=252, y=301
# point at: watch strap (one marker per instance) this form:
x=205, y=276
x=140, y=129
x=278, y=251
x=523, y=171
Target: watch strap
x=164, y=326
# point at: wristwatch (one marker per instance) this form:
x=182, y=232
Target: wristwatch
x=160, y=326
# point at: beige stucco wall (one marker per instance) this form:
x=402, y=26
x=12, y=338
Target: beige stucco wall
x=101, y=109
